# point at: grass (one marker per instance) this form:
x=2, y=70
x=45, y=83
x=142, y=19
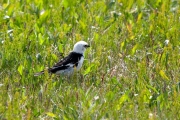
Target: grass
x=131, y=70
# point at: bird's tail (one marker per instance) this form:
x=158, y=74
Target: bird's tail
x=39, y=73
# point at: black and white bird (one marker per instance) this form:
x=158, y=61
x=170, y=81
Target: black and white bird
x=67, y=65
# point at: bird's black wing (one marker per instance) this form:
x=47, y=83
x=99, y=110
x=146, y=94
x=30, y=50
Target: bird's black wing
x=71, y=59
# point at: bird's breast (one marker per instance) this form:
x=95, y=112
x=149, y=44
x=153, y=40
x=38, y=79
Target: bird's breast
x=80, y=63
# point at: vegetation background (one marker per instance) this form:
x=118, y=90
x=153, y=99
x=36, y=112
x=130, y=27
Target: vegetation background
x=131, y=71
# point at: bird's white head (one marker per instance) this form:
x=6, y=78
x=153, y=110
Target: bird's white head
x=80, y=47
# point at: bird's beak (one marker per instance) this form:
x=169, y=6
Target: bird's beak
x=86, y=46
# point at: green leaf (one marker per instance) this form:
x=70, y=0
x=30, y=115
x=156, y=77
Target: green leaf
x=82, y=24
x=121, y=100
x=134, y=49
x=65, y=3
x=153, y=88
x=163, y=75
x=41, y=40
x=88, y=70
x=44, y=16
x=10, y=10
x=60, y=47
x=122, y=45
x=51, y=114
x=54, y=56
x=20, y=69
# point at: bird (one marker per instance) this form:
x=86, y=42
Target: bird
x=67, y=65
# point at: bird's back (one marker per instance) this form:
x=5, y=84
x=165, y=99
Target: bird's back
x=67, y=64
